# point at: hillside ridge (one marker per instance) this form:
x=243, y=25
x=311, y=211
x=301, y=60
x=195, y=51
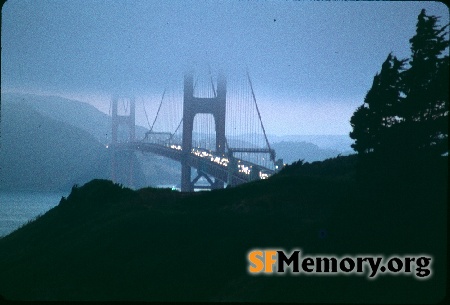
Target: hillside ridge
x=106, y=242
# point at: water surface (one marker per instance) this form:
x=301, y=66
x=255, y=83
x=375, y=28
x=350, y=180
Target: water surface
x=19, y=207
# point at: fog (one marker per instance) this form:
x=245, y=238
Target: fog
x=311, y=62
x=103, y=169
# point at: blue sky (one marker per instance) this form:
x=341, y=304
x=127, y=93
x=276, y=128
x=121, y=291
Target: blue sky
x=311, y=62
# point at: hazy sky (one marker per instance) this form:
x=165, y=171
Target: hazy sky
x=311, y=62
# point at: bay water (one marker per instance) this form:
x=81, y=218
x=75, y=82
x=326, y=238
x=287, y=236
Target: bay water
x=19, y=207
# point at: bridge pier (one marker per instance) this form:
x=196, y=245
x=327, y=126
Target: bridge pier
x=193, y=106
x=254, y=174
x=186, y=185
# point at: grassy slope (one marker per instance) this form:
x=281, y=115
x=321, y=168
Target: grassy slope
x=109, y=243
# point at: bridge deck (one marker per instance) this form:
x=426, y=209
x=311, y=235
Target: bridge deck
x=204, y=160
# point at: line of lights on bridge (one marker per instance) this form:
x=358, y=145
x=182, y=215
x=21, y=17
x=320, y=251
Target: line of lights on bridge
x=223, y=161
x=242, y=168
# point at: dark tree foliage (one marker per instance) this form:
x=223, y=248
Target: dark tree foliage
x=372, y=120
x=426, y=87
x=360, y=122
x=406, y=110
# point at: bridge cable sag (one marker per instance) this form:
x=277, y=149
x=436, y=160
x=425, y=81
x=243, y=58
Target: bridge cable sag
x=178, y=127
x=159, y=108
x=272, y=157
x=212, y=83
x=145, y=112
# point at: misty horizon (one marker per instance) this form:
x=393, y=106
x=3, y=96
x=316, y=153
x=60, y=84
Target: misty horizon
x=151, y=107
x=311, y=62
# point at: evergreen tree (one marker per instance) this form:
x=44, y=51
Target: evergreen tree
x=425, y=108
x=372, y=120
x=361, y=135
x=406, y=112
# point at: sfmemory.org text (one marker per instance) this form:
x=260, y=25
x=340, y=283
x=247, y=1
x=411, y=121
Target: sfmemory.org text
x=276, y=261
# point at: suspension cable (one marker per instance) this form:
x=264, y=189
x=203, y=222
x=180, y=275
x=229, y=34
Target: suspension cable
x=212, y=83
x=159, y=108
x=145, y=112
x=178, y=127
x=259, y=115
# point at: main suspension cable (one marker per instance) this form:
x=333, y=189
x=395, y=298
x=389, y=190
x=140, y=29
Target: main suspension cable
x=145, y=112
x=159, y=108
x=272, y=157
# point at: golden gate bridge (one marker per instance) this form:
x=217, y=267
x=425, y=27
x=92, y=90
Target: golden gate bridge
x=214, y=126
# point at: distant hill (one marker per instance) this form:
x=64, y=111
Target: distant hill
x=161, y=171
x=340, y=143
x=151, y=170
x=44, y=154
x=309, y=148
x=76, y=113
x=294, y=151
x=41, y=153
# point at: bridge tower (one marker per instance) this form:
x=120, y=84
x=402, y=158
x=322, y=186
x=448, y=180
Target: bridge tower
x=191, y=107
x=129, y=121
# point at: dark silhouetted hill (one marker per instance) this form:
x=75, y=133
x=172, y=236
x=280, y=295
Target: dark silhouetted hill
x=106, y=242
